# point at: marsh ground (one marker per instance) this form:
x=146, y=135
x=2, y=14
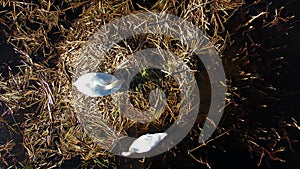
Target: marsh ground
x=38, y=129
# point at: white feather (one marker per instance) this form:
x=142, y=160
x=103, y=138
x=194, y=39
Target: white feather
x=145, y=143
x=97, y=84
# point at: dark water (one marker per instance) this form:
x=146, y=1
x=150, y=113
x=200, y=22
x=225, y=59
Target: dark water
x=292, y=85
x=293, y=101
x=293, y=52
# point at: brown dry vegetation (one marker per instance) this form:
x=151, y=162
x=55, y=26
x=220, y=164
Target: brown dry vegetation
x=37, y=109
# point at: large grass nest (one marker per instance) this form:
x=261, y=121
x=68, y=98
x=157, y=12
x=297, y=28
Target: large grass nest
x=43, y=41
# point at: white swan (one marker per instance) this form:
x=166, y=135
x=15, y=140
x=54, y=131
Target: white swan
x=145, y=143
x=97, y=84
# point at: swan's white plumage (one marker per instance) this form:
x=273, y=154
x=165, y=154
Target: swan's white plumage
x=97, y=84
x=145, y=143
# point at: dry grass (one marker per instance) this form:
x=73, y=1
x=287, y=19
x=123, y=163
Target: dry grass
x=48, y=37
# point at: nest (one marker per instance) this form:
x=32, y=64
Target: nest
x=48, y=38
